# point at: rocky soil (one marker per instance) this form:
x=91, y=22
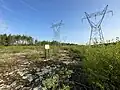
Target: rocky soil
x=24, y=74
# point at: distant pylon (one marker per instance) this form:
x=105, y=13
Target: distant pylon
x=96, y=35
x=56, y=30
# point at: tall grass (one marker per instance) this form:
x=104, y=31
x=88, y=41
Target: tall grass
x=102, y=64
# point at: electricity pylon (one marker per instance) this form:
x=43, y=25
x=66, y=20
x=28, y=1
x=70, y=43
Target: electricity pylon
x=56, y=29
x=96, y=35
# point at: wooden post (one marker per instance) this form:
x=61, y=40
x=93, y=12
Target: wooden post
x=45, y=54
x=47, y=47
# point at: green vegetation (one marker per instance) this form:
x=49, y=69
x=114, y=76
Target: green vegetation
x=91, y=68
x=101, y=64
x=15, y=39
x=7, y=40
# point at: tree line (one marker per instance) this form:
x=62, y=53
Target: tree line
x=52, y=43
x=10, y=39
x=15, y=39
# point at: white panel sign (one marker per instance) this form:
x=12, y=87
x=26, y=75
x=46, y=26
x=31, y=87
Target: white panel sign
x=47, y=46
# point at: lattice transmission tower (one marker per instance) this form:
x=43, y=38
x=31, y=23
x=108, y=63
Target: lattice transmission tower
x=96, y=35
x=56, y=29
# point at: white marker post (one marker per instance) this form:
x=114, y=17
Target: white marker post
x=47, y=47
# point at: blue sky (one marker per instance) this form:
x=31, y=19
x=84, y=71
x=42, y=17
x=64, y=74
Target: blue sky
x=34, y=18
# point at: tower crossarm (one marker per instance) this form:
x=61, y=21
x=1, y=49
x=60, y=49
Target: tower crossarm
x=98, y=13
x=57, y=24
